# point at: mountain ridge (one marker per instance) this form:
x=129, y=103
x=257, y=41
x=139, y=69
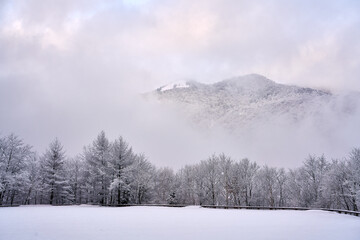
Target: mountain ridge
x=244, y=81
x=248, y=100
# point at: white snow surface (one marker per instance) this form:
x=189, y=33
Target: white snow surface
x=92, y=222
x=174, y=85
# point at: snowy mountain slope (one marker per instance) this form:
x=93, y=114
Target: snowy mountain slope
x=246, y=101
x=173, y=86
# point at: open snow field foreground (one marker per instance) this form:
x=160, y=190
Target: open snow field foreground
x=93, y=222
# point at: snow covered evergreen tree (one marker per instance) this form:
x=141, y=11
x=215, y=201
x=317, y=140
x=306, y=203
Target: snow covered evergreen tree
x=97, y=157
x=122, y=158
x=76, y=177
x=56, y=186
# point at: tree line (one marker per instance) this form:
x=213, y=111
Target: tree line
x=110, y=172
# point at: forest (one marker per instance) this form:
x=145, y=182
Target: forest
x=111, y=173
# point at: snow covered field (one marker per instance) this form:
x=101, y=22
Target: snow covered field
x=92, y=222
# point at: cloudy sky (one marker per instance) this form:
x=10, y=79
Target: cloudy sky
x=69, y=69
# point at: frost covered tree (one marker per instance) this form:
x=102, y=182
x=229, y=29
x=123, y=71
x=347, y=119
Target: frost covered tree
x=187, y=190
x=122, y=158
x=337, y=186
x=111, y=173
x=210, y=172
x=199, y=181
x=281, y=181
x=32, y=181
x=295, y=188
x=354, y=181
x=76, y=176
x=313, y=173
x=246, y=173
x=164, y=186
x=97, y=157
x=114, y=174
x=142, y=179
x=267, y=183
x=56, y=186
x=14, y=155
x=226, y=177
x=307, y=184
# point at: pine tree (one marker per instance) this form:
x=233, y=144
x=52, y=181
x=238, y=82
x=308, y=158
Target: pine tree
x=76, y=177
x=121, y=158
x=53, y=172
x=98, y=158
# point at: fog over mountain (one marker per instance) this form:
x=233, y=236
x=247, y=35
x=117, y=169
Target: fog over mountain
x=70, y=69
x=273, y=123
x=247, y=101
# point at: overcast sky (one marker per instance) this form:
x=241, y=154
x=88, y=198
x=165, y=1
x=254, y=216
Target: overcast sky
x=69, y=69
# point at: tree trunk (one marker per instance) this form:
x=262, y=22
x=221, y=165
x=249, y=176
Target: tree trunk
x=27, y=199
x=51, y=196
x=119, y=194
x=13, y=197
x=1, y=197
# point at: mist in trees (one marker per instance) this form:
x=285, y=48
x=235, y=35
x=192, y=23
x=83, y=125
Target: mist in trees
x=111, y=173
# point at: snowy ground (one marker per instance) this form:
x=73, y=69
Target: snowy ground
x=92, y=222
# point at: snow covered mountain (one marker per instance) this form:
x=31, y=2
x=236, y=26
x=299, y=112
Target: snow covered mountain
x=246, y=101
x=173, y=86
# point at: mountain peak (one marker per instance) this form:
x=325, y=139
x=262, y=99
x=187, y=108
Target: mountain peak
x=248, y=82
x=242, y=101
